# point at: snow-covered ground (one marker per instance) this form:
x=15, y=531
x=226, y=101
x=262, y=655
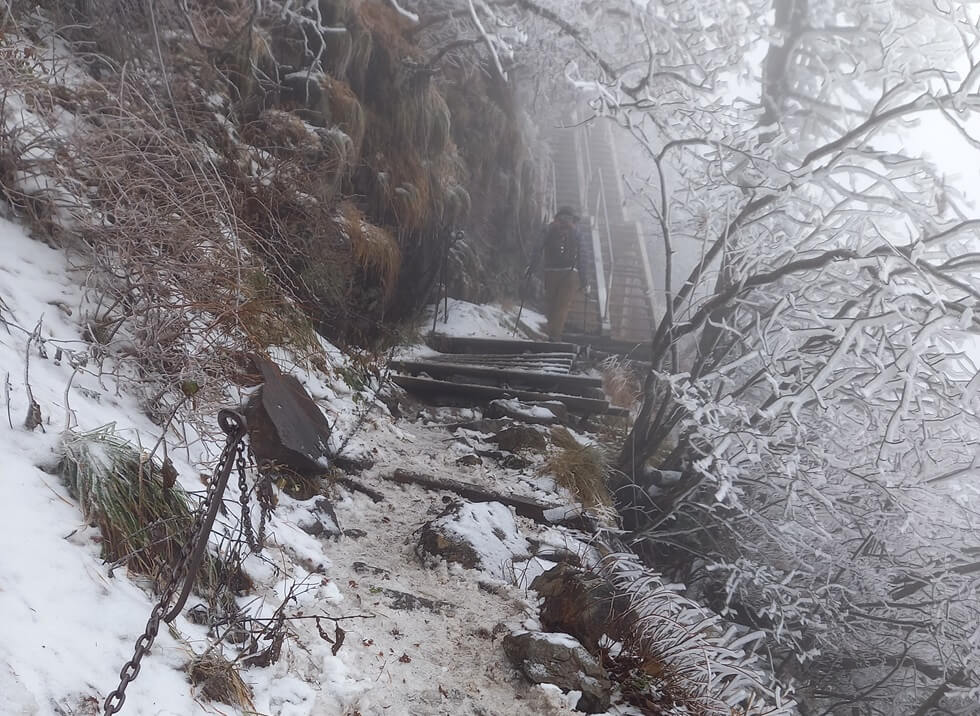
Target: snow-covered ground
x=486, y=321
x=68, y=627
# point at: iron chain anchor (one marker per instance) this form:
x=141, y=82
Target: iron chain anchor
x=184, y=570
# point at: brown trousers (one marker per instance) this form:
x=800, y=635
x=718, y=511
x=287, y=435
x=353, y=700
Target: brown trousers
x=561, y=286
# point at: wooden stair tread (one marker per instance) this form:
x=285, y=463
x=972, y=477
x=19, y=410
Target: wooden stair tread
x=468, y=345
x=565, y=383
x=455, y=391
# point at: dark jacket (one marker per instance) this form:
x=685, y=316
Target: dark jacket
x=562, y=248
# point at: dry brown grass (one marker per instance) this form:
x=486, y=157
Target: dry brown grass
x=345, y=110
x=219, y=680
x=621, y=383
x=388, y=29
x=375, y=250
x=580, y=469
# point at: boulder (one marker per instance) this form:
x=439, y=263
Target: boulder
x=285, y=426
x=520, y=437
x=470, y=460
x=580, y=603
x=560, y=660
x=477, y=536
x=410, y=602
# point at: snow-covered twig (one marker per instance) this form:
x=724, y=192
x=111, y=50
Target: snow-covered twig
x=487, y=40
x=403, y=12
x=6, y=395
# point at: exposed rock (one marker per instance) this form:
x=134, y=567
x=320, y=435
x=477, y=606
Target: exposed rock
x=506, y=459
x=482, y=536
x=410, y=602
x=354, y=464
x=286, y=428
x=452, y=548
x=521, y=437
x=580, y=603
x=312, y=527
x=365, y=568
x=553, y=553
x=355, y=533
x=533, y=413
x=560, y=660
x=471, y=460
x=322, y=520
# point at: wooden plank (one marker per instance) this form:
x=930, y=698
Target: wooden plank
x=546, y=360
x=458, y=393
x=554, y=368
x=457, y=344
x=476, y=357
x=524, y=506
x=583, y=385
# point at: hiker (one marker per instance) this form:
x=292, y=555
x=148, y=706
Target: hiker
x=564, y=270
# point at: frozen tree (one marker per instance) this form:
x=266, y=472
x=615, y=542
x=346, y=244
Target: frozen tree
x=811, y=375
x=812, y=378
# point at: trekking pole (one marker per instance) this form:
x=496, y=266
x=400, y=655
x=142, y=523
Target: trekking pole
x=442, y=294
x=517, y=323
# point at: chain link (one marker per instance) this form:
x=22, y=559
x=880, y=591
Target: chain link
x=263, y=495
x=184, y=570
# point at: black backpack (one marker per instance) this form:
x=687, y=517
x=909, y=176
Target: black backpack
x=561, y=246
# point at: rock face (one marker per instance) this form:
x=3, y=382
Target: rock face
x=560, y=660
x=285, y=426
x=581, y=604
x=477, y=536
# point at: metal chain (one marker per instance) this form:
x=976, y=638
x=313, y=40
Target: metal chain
x=263, y=494
x=233, y=424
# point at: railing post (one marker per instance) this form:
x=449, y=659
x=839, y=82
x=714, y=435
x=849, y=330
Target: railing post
x=585, y=169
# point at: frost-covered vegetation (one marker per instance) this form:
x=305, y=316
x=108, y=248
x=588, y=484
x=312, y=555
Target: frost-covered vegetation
x=277, y=177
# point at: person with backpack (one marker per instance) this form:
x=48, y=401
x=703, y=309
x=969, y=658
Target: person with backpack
x=564, y=268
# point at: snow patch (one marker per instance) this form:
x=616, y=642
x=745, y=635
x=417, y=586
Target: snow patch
x=489, y=527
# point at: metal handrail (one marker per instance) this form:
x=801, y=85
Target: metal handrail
x=586, y=173
x=602, y=291
x=611, y=269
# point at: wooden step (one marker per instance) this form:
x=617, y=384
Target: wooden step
x=455, y=393
x=467, y=345
x=506, y=361
x=565, y=383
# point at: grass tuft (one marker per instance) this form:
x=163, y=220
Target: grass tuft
x=219, y=680
x=676, y=657
x=580, y=469
x=142, y=521
x=621, y=383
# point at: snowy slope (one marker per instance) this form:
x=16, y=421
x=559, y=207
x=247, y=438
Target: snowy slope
x=68, y=626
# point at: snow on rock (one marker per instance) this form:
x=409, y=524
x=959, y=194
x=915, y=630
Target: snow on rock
x=561, y=660
x=483, y=536
x=534, y=413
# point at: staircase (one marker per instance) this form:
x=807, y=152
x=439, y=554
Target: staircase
x=477, y=370
x=621, y=308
